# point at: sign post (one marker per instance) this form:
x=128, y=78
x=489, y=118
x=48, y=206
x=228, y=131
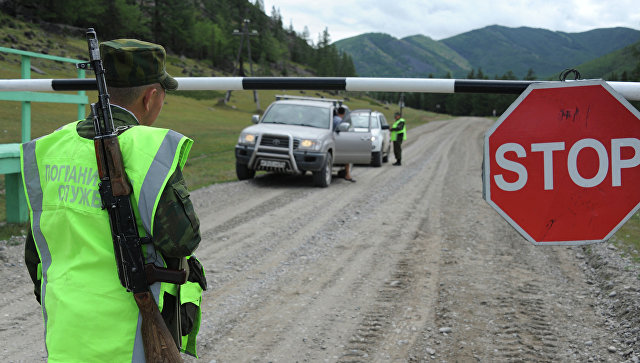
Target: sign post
x=562, y=164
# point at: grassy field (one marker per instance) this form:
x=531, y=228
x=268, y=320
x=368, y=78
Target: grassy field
x=627, y=239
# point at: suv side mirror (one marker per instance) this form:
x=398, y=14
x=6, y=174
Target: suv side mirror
x=385, y=127
x=255, y=119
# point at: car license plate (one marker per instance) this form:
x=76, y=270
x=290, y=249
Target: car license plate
x=272, y=163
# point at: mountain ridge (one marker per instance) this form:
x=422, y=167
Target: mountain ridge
x=494, y=49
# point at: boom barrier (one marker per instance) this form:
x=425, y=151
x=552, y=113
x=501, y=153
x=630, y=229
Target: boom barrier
x=629, y=90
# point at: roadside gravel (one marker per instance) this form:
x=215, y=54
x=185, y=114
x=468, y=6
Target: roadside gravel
x=409, y=264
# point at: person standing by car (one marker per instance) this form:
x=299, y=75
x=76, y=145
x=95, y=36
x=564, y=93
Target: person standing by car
x=337, y=119
x=398, y=135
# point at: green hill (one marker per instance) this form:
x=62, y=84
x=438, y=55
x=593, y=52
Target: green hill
x=494, y=49
x=622, y=64
x=497, y=49
x=381, y=55
x=448, y=57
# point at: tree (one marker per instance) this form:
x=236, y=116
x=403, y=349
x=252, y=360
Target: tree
x=509, y=76
x=531, y=75
x=624, y=77
x=347, y=69
x=259, y=4
x=122, y=19
x=173, y=23
x=324, y=39
x=306, y=35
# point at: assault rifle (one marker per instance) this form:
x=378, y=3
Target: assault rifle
x=115, y=192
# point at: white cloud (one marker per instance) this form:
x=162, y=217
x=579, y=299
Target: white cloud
x=440, y=19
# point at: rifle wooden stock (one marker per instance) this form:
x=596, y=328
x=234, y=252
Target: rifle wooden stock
x=113, y=164
x=157, y=340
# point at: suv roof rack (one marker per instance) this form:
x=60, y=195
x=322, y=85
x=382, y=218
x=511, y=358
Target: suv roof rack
x=289, y=97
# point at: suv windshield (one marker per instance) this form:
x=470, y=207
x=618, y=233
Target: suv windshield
x=303, y=115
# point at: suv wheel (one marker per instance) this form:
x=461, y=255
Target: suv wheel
x=376, y=158
x=243, y=172
x=322, y=177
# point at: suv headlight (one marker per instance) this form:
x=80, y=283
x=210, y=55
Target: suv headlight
x=309, y=144
x=247, y=139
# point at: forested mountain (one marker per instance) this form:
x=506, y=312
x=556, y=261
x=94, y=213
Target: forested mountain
x=620, y=65
x=201, y=29
x=381, y=55
x=495, y=50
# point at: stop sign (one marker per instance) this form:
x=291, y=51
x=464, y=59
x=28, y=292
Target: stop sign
x=561, y=165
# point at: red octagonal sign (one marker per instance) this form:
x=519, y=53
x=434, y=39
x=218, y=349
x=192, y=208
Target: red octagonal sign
x=561, y=165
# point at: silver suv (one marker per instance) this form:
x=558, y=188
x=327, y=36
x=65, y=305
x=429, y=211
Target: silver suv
x=296, y=135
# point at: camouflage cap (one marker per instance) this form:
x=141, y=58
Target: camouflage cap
x=132, y=63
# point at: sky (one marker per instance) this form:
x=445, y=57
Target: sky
x=440, y=19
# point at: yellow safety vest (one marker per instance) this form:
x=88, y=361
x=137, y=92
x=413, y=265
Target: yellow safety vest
x=88, y=315
x=402, y=133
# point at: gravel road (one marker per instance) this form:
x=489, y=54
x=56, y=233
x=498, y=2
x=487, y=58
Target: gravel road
x=408, y=264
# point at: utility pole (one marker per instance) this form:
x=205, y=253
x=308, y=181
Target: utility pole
x=244, y=33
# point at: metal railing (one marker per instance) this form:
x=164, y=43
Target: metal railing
x=16, y=203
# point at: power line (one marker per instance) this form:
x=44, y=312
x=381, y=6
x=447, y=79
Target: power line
x=244, y=34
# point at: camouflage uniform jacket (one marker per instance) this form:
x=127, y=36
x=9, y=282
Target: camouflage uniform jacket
x=176, y=233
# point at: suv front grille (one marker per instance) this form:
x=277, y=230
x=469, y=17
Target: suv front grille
x=278, y=141
x=275, y=141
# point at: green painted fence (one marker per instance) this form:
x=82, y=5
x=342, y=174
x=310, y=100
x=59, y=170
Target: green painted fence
x=16, y=203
